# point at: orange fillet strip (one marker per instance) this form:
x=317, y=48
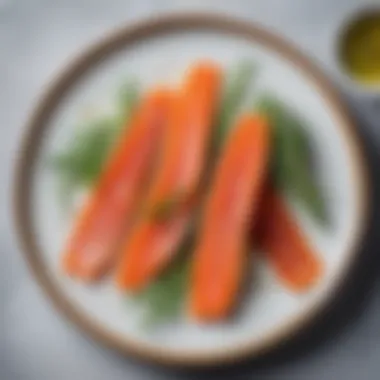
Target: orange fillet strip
x=152, y=244
x=112, y=205
x=285, y=246
x=220, y=254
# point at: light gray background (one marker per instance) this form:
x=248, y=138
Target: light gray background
x=37, y=38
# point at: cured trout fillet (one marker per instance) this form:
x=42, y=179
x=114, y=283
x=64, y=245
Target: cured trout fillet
x=285, y=246
x=112, y=205
x=219, y=257
x=153, y=242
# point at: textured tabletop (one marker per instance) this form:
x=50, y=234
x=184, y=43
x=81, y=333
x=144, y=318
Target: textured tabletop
x=37, y=38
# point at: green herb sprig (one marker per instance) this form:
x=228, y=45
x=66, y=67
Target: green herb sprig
x=291, y=161
x=163, y=300
x=236, y=87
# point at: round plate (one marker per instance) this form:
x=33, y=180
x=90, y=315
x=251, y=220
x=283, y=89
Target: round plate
x=159, y=50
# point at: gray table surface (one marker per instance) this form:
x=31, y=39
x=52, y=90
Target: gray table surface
x=37, y=37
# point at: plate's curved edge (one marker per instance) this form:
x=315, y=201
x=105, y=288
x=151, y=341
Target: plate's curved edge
x=36, y=126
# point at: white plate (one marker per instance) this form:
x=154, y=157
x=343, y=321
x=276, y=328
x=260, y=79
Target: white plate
x=159, y=51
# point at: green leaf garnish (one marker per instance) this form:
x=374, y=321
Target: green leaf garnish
x=235, y=89
x=291, y=161
x=127, y=98
x=83, y=159
x=163, y=300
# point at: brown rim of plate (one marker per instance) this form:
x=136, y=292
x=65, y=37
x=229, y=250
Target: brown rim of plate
x=126, y=37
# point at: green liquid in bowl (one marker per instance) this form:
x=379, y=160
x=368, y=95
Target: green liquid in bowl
x=360, y=49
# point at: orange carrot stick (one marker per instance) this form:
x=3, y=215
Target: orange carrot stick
x=152, y=243
x=220, y=255
x=285, y=246
x=112, y=205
